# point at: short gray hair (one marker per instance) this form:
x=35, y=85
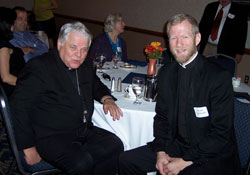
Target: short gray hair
x=180, y=18
x=78, y=27
x=110, y=21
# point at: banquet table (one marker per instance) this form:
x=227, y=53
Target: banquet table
x=242, y=88
x=41, y=35
x=135, y=128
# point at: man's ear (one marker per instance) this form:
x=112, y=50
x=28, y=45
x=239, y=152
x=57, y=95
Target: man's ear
x=59, y=44
x=197, y=38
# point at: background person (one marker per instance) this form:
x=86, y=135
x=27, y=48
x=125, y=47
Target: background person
x=11, y=58
x=28, y=42
x=232, y=29
x=110, y=42
x=193, y=126
x=45, y=20
x=52, y=108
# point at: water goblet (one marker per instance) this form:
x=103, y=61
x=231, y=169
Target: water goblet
x=100, y=60
x=137, y=86
x=115, y=60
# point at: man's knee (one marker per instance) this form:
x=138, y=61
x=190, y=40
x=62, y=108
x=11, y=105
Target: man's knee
x=114, y=145
x=82, y=165
x=118, y=145
x=125, y=158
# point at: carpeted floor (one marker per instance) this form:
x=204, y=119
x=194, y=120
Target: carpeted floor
x=5, y=156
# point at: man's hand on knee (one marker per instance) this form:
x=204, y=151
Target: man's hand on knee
x=176, y=165
x=162, y=161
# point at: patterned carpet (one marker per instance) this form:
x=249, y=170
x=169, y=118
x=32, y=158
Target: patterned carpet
x=5, y=156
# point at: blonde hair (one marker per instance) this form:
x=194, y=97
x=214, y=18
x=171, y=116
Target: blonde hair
x=110, y=21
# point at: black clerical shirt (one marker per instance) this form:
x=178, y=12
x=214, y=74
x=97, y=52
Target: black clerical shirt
x=184, y=79
x=73, y=74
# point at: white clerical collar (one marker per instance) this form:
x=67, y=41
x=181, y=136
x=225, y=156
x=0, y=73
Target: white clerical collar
x=191, y=60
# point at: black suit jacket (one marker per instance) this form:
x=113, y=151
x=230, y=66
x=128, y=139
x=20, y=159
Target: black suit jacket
x=45, y=101
x=234, y=33
x=210, y=87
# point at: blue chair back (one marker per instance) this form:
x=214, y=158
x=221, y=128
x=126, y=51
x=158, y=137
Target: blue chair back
x=242, y=130
x=226, y=62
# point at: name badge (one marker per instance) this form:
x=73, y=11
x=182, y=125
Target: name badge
x=231, y=16
x=201, y=112
x=119, y=49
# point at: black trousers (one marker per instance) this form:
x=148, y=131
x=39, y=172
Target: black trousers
x=88, y=152
x=48, y=26
x=141, y=160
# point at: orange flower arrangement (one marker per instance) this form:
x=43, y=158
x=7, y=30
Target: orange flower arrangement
x=154, y=50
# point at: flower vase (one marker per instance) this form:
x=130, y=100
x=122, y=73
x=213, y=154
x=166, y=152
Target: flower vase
x=152, y=67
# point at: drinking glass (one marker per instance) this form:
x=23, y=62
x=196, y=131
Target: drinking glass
x=115, y=60
x=137, y=86
x=100, y=60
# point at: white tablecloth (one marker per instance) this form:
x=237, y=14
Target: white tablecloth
x=243, y=88
x=135, y=128
x=41, y=35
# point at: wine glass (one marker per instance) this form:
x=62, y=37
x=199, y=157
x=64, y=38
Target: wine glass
x=137, y=86
x=115, y=59
x=100, y=60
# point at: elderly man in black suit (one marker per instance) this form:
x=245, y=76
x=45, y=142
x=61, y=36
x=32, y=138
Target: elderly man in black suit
x=52, y=107
x=227, y=35
x=193, y=126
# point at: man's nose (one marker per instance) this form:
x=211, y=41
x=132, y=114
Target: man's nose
x=178, y=42
x=78, y=53
x=25, y=22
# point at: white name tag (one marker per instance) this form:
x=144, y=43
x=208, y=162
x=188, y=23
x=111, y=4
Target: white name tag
x=119, y=49
x=201, y=112
x=231, y=16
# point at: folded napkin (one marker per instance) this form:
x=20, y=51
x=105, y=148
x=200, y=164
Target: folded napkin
x=131, y=75
x=137, y=63
x=243, y=95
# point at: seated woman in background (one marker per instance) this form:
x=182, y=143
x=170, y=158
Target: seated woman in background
x=109, y=43
x=11, y=58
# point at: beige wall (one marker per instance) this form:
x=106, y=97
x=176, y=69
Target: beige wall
x=143, y=14
x=12, y=3
x=146, y=14
x=244, y=67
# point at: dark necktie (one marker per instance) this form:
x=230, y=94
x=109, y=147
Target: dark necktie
x=216, y=25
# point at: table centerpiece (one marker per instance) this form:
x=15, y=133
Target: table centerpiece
x=154, y=53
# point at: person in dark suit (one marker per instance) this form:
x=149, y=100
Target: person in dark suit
x=232, y=31
x=194, y=113
x=52, y=107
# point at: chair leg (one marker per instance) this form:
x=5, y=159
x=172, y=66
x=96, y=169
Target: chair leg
x=2, y=134
x=12, y=166
x=248, y=169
